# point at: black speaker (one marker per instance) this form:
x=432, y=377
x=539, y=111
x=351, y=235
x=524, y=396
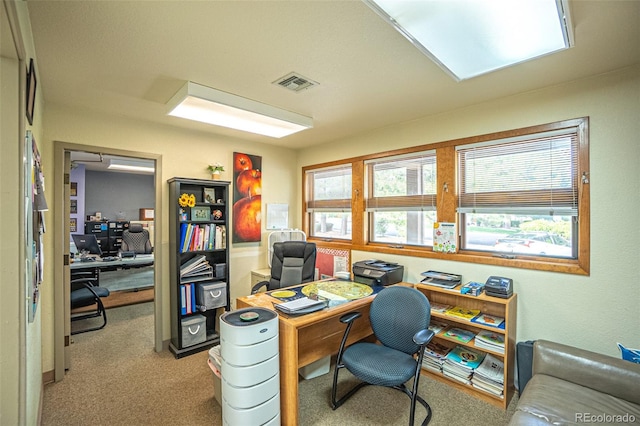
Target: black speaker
x=524, y=354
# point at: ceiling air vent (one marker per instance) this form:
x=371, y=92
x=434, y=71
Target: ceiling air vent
x=295, y=82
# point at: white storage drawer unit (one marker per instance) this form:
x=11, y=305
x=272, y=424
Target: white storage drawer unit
x=250, y=367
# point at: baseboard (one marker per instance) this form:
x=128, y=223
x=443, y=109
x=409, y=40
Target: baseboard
x=48, y=377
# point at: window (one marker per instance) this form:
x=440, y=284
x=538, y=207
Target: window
x=401, y=199
x=520, y=196
x=329, y=202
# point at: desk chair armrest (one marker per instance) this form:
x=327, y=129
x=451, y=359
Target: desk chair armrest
x=349, y=319
x=83, y=282
x=258, y=286
x=423, y=337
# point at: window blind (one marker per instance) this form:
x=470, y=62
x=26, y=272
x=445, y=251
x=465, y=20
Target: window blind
x=406, y=183
x=329, y=189
x=536, y=175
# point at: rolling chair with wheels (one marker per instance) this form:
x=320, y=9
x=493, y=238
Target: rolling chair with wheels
x=136, y=240
x=293, y=262
x=85, y=292
x=400, y=319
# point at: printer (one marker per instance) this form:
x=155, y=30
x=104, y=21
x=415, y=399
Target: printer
x=377, y=272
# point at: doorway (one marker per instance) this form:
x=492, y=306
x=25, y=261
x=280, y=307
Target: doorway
x=94, y=163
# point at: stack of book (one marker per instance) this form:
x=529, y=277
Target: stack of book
x=462, y=313
x=485, y=339
x=461, y=362
x=439, y=307
x=492, y=320
x=434, y=356
x=441, y=279
x=459, y=335
x=489, y=376
x=437, y=326
x=196, y=269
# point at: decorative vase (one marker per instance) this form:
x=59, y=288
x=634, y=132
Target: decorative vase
x=215, y=175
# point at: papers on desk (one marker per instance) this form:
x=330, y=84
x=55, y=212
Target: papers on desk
x=300, y=306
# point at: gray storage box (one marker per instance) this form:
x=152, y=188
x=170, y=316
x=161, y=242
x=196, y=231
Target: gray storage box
x=194, y=330
x=221, y=270
x=211, y=295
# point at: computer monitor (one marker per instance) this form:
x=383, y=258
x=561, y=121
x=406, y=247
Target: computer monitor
x=86, y=244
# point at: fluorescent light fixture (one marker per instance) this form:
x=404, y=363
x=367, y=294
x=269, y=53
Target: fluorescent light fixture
x=131, y=165
x=468, y=38
x=196, y=102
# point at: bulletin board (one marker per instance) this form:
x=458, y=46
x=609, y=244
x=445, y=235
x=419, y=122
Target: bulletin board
x=329, y=261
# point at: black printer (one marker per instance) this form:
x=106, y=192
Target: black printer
x=377, y=272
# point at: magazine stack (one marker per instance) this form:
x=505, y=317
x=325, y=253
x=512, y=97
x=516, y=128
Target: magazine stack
x=489, y=376
x=434, y=356
x=460, y=364
x=486, y=339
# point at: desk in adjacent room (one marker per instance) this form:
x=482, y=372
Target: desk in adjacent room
x=99, y=264
x=308, y=338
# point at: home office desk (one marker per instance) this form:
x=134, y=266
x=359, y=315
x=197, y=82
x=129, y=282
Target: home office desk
x=308, y=338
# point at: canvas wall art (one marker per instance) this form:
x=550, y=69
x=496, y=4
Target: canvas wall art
x=247, y=198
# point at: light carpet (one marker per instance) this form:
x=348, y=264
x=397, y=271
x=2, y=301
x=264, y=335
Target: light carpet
x=117, y=379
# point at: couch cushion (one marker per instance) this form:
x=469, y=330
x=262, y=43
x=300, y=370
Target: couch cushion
x=557, y=401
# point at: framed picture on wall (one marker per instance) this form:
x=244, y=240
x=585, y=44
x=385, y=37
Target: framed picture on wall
x=73, y=225
x=74, y=189
x=74, y=206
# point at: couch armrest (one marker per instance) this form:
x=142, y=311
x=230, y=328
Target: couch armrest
x=600, y=372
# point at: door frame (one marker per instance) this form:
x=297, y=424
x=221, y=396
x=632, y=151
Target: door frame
x=61, y=229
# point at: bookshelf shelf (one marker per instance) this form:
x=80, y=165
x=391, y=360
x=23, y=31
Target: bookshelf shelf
x=505, y=308
x=199, y=259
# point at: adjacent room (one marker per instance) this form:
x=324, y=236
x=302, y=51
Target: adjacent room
x=315, y=213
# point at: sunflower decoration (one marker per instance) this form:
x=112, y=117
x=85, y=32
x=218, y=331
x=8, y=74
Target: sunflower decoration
x=187, y=200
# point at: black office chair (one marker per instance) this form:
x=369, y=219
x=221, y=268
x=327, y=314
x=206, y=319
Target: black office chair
x=400, y=319
x=136, y=239
x=293, y=262
x=85, y=292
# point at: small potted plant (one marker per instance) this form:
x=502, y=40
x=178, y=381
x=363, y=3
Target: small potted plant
x=215, y=170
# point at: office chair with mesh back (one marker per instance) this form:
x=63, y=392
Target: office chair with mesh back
x=136, y=239
x=293, y=262
x=85, y=292
x=400, y=319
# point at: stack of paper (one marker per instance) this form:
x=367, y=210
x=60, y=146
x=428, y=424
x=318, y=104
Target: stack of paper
x=300, y=306
x=486, y=339
x=489, y=376
x=434, y=356
x=461, y=362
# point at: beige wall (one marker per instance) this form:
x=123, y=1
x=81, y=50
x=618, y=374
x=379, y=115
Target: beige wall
x=591, y=312
x=184, y=154
x=20, y=353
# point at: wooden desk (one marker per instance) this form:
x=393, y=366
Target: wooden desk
x=308, y=338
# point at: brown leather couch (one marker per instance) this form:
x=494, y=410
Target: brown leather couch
x=574, y=386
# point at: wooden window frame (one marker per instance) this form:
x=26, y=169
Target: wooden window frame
x=446, y=201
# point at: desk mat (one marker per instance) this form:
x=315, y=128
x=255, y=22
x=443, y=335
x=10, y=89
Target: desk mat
x=348, y=289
